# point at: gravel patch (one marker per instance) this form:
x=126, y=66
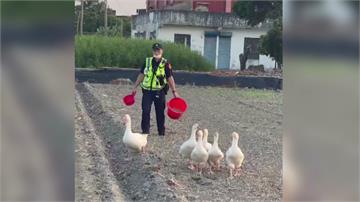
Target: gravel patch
x=161, y=174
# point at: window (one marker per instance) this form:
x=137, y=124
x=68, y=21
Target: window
x=251, y=46
x=183, y=39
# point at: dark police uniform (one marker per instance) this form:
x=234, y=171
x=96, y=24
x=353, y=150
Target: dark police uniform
x=154, y=88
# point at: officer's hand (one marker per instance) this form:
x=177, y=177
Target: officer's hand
x=133, y=91
x=176, y=94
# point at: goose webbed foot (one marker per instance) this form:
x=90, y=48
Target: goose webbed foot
x=237, y=172
x=191, y=166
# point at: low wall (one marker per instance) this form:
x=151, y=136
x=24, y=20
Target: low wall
x=193, y=18
x=181, y=78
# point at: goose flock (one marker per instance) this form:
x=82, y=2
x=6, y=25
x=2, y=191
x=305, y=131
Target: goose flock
x=199, y=153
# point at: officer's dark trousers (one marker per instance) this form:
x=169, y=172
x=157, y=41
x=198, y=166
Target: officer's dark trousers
x=158, y=97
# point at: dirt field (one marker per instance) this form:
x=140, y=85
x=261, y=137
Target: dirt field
x=255, y=114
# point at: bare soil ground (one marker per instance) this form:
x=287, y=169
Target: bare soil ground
x=161, y=174
x=267, y=73
x=94, y=180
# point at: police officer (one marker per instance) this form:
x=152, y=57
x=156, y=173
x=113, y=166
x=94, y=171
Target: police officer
x=155, y=78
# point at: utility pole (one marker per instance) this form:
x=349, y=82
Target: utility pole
x=106, y=14
x=82, y=17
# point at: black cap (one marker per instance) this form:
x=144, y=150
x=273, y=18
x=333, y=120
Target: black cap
x=156, y=46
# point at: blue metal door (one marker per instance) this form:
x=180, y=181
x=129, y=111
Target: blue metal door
x=224, y=52
x=210, y=48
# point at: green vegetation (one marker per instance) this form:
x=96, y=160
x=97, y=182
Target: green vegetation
x=36, y=12
x=102, y=51
x=271, y=43
x=256, y=12
x=94, y=12
x=111, y=32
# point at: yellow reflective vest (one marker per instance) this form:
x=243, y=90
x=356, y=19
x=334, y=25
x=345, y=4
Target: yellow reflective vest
x=154, y=80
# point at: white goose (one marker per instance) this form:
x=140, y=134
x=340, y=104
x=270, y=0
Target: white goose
x=187, y=147
x=234, y=156
x=215, y=153
x=134, y=141
x=207, y=145
x=199, y=154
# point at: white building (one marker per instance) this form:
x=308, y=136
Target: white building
x=219, y=37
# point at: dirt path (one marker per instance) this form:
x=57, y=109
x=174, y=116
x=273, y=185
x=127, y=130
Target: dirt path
x=94, y=180
x=152, y=176
x=137, y=178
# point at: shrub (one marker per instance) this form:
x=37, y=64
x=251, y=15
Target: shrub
x=114, y=31
x=102, y=51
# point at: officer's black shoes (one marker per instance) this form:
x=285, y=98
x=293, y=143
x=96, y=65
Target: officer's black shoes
x=161, y=134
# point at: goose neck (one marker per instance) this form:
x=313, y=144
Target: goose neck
x=216, y=143
x=193, y=137
x=199, y=141
x=235, y=142
x=128, y=126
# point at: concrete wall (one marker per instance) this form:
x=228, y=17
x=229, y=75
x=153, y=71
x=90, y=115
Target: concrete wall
x=182, y=78
x=148, y=24
x=197, y=36
x=192, y=18
x=166, y=33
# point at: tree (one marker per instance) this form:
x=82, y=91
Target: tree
x=92, y=15
x=255, y=12
x=271, y=43
x=94, y=12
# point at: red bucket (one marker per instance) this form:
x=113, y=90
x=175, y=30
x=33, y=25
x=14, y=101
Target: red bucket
x=176, y=107
x=129, y=99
